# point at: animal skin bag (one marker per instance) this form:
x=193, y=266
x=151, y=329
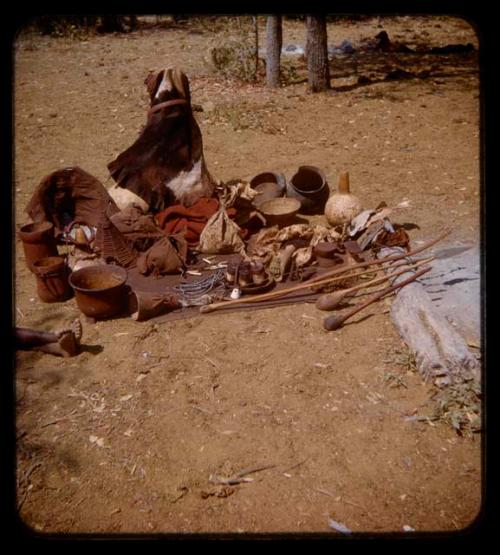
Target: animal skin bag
x=221, y=235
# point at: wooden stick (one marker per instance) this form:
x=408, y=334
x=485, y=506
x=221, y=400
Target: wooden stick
x=334, y=322
x=323, y=279
x=391, y=258
x=330, y=301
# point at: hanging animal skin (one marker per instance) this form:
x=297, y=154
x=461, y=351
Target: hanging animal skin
x=165, y=165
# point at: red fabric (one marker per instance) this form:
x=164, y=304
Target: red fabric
x=192, y=220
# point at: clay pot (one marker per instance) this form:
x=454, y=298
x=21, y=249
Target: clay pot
x=327, y=254
x=270, y=185
x=310, y=187
x=52, y=279
x=100, y=290
x=38, y=241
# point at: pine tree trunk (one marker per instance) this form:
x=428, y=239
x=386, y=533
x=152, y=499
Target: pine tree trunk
x=274, y=41
x=318, y=71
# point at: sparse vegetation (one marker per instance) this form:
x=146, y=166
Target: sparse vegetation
x=235, y=54
x=459, y=405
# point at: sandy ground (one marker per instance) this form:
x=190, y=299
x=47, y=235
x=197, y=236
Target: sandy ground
x=124, y=437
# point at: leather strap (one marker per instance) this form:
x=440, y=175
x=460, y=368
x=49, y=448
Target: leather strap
x=166, y=104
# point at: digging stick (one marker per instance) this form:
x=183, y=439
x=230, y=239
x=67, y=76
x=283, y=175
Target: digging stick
x=323, y=279
x=334, y=322
x=283, y=292
x=330, y=301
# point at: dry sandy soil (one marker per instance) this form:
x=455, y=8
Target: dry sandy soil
x=124, y=437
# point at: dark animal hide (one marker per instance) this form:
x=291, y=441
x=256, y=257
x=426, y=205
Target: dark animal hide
x=165, y=165
x=70, y=195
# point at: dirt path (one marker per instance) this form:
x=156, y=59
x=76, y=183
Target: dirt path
x=124, y=437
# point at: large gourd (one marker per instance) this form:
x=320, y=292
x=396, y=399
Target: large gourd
x=342, y=206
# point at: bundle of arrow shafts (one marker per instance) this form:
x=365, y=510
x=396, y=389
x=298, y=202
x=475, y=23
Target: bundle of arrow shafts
x=332, y=300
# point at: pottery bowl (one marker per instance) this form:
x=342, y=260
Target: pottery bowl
x=269, y=185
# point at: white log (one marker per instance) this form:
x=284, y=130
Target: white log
x=440, y=351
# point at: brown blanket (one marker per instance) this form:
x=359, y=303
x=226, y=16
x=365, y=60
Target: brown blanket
x=178, y=218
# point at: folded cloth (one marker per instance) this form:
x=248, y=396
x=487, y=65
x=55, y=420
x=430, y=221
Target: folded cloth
x=166, y=256
x=192, y=220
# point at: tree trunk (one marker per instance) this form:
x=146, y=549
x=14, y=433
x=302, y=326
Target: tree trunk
x=111, y=24
x=317, y=54
x=256, y=46
x=274, y=41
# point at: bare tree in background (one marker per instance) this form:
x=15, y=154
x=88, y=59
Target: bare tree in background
x=255, y=20
x=318, y=71
x=274, y=41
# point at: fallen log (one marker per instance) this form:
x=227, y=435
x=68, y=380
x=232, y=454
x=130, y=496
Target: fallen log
x=440, y=351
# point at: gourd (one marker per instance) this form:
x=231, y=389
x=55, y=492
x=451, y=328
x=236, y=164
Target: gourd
x=342, y=206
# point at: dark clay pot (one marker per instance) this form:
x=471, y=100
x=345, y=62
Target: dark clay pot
x=100, y=290
x=327, y=254
x=52, y=279
x=38, y=242
x=310, y=187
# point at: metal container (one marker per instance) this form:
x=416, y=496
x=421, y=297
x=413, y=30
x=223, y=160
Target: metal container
x=100, y=290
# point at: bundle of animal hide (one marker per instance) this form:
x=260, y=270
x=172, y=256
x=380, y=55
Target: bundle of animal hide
x=70, y=195
x=166, y=256
x=221, y=235
x=165, y=165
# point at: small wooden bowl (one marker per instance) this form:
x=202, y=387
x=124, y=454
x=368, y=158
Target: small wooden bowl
x=255, y=288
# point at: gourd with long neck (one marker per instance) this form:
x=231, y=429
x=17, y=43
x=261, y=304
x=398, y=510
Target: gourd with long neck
x=342, y=206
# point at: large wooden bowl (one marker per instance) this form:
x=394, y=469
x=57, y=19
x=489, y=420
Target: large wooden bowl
x=280, y=211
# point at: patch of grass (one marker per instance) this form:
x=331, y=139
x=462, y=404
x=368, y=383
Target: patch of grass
x=394, y=380
x=405, y=359
x=459, y=405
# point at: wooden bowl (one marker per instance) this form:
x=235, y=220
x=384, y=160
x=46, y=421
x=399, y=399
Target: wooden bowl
x=280, y=211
